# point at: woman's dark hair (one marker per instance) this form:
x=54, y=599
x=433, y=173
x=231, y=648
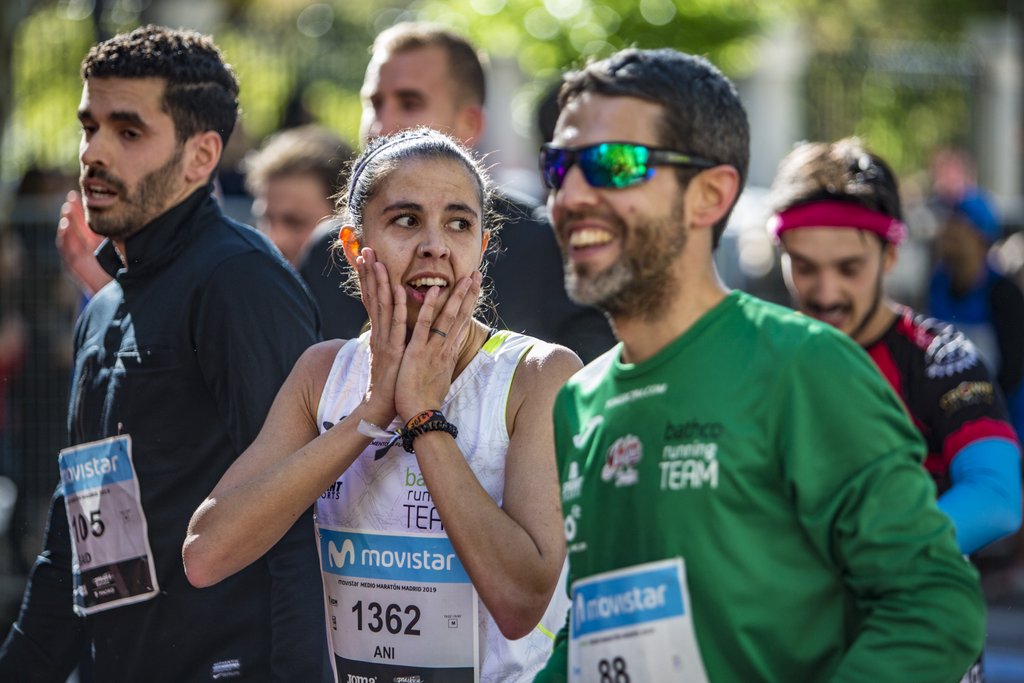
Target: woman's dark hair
x=384, y=154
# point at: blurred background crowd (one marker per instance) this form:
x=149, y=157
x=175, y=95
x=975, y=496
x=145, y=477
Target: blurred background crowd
x=937, y=88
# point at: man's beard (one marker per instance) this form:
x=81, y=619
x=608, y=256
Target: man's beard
x=640, y=283
x=816, y=310
x=133, y=210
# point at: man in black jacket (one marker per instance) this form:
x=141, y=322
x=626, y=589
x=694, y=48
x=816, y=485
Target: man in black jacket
x=425, y=75
x=176, y=363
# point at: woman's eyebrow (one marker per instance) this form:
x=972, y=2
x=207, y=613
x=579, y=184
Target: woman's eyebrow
x=403, y=205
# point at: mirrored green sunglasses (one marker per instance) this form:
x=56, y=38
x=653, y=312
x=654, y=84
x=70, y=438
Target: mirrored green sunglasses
x=611, y=164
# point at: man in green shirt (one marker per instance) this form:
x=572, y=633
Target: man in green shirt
x=742, y=492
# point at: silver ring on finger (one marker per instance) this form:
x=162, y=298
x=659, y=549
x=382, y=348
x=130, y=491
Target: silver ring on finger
x=434, y=330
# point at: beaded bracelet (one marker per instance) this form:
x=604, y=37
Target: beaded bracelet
x=427, y=421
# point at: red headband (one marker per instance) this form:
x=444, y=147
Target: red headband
x=833, y=214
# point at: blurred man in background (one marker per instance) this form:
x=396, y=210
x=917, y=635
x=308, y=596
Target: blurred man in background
x=292, y=178
x=839, y=221
x=968, y=290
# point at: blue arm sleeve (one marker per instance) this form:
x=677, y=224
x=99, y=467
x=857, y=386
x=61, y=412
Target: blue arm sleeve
x=985, y=499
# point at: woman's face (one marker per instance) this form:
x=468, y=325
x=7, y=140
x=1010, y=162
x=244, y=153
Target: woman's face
x=425, y=225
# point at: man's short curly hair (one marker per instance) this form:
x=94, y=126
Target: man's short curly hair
x=201, y=90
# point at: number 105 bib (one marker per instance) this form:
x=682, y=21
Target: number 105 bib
x=112, y=561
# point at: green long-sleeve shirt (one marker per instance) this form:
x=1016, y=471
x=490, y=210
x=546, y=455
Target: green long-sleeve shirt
x=766, y=451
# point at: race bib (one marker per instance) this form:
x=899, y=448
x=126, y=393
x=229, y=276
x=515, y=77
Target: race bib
x=633, y=625
x=401, y=608
x=112, y=561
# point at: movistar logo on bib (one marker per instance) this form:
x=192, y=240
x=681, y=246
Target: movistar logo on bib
x=92, y=468
x=390, y=557
x=626, y=600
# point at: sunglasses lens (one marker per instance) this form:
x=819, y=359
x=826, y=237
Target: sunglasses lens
x=615, y=164
x=554, y=164
x=610, y=164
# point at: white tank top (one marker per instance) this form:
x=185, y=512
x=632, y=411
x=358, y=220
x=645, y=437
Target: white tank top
x=379, y=529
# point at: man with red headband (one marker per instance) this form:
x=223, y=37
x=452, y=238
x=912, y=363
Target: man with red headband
x=839, y=224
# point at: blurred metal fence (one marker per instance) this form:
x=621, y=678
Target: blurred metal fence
x=34, y=292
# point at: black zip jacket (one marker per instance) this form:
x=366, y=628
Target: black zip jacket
x=185, y=351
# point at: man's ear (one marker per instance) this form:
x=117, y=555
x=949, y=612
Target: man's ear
x=711, y=194
x=469, y=124
x=487, y=238
x=890, y=255
x=350, y=245
x=202, y=154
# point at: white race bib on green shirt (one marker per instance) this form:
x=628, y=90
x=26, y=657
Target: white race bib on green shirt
x=632, y=625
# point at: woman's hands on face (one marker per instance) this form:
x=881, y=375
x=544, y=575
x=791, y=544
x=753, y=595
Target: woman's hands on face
x=434, y=348
x=385, y=305
x=406, y=379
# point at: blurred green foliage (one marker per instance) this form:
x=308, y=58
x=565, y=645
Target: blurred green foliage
x=43, y=129
x=283, y=71
x=547, y=37
x=298, y=58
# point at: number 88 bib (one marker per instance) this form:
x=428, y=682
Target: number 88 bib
x=634, y=625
